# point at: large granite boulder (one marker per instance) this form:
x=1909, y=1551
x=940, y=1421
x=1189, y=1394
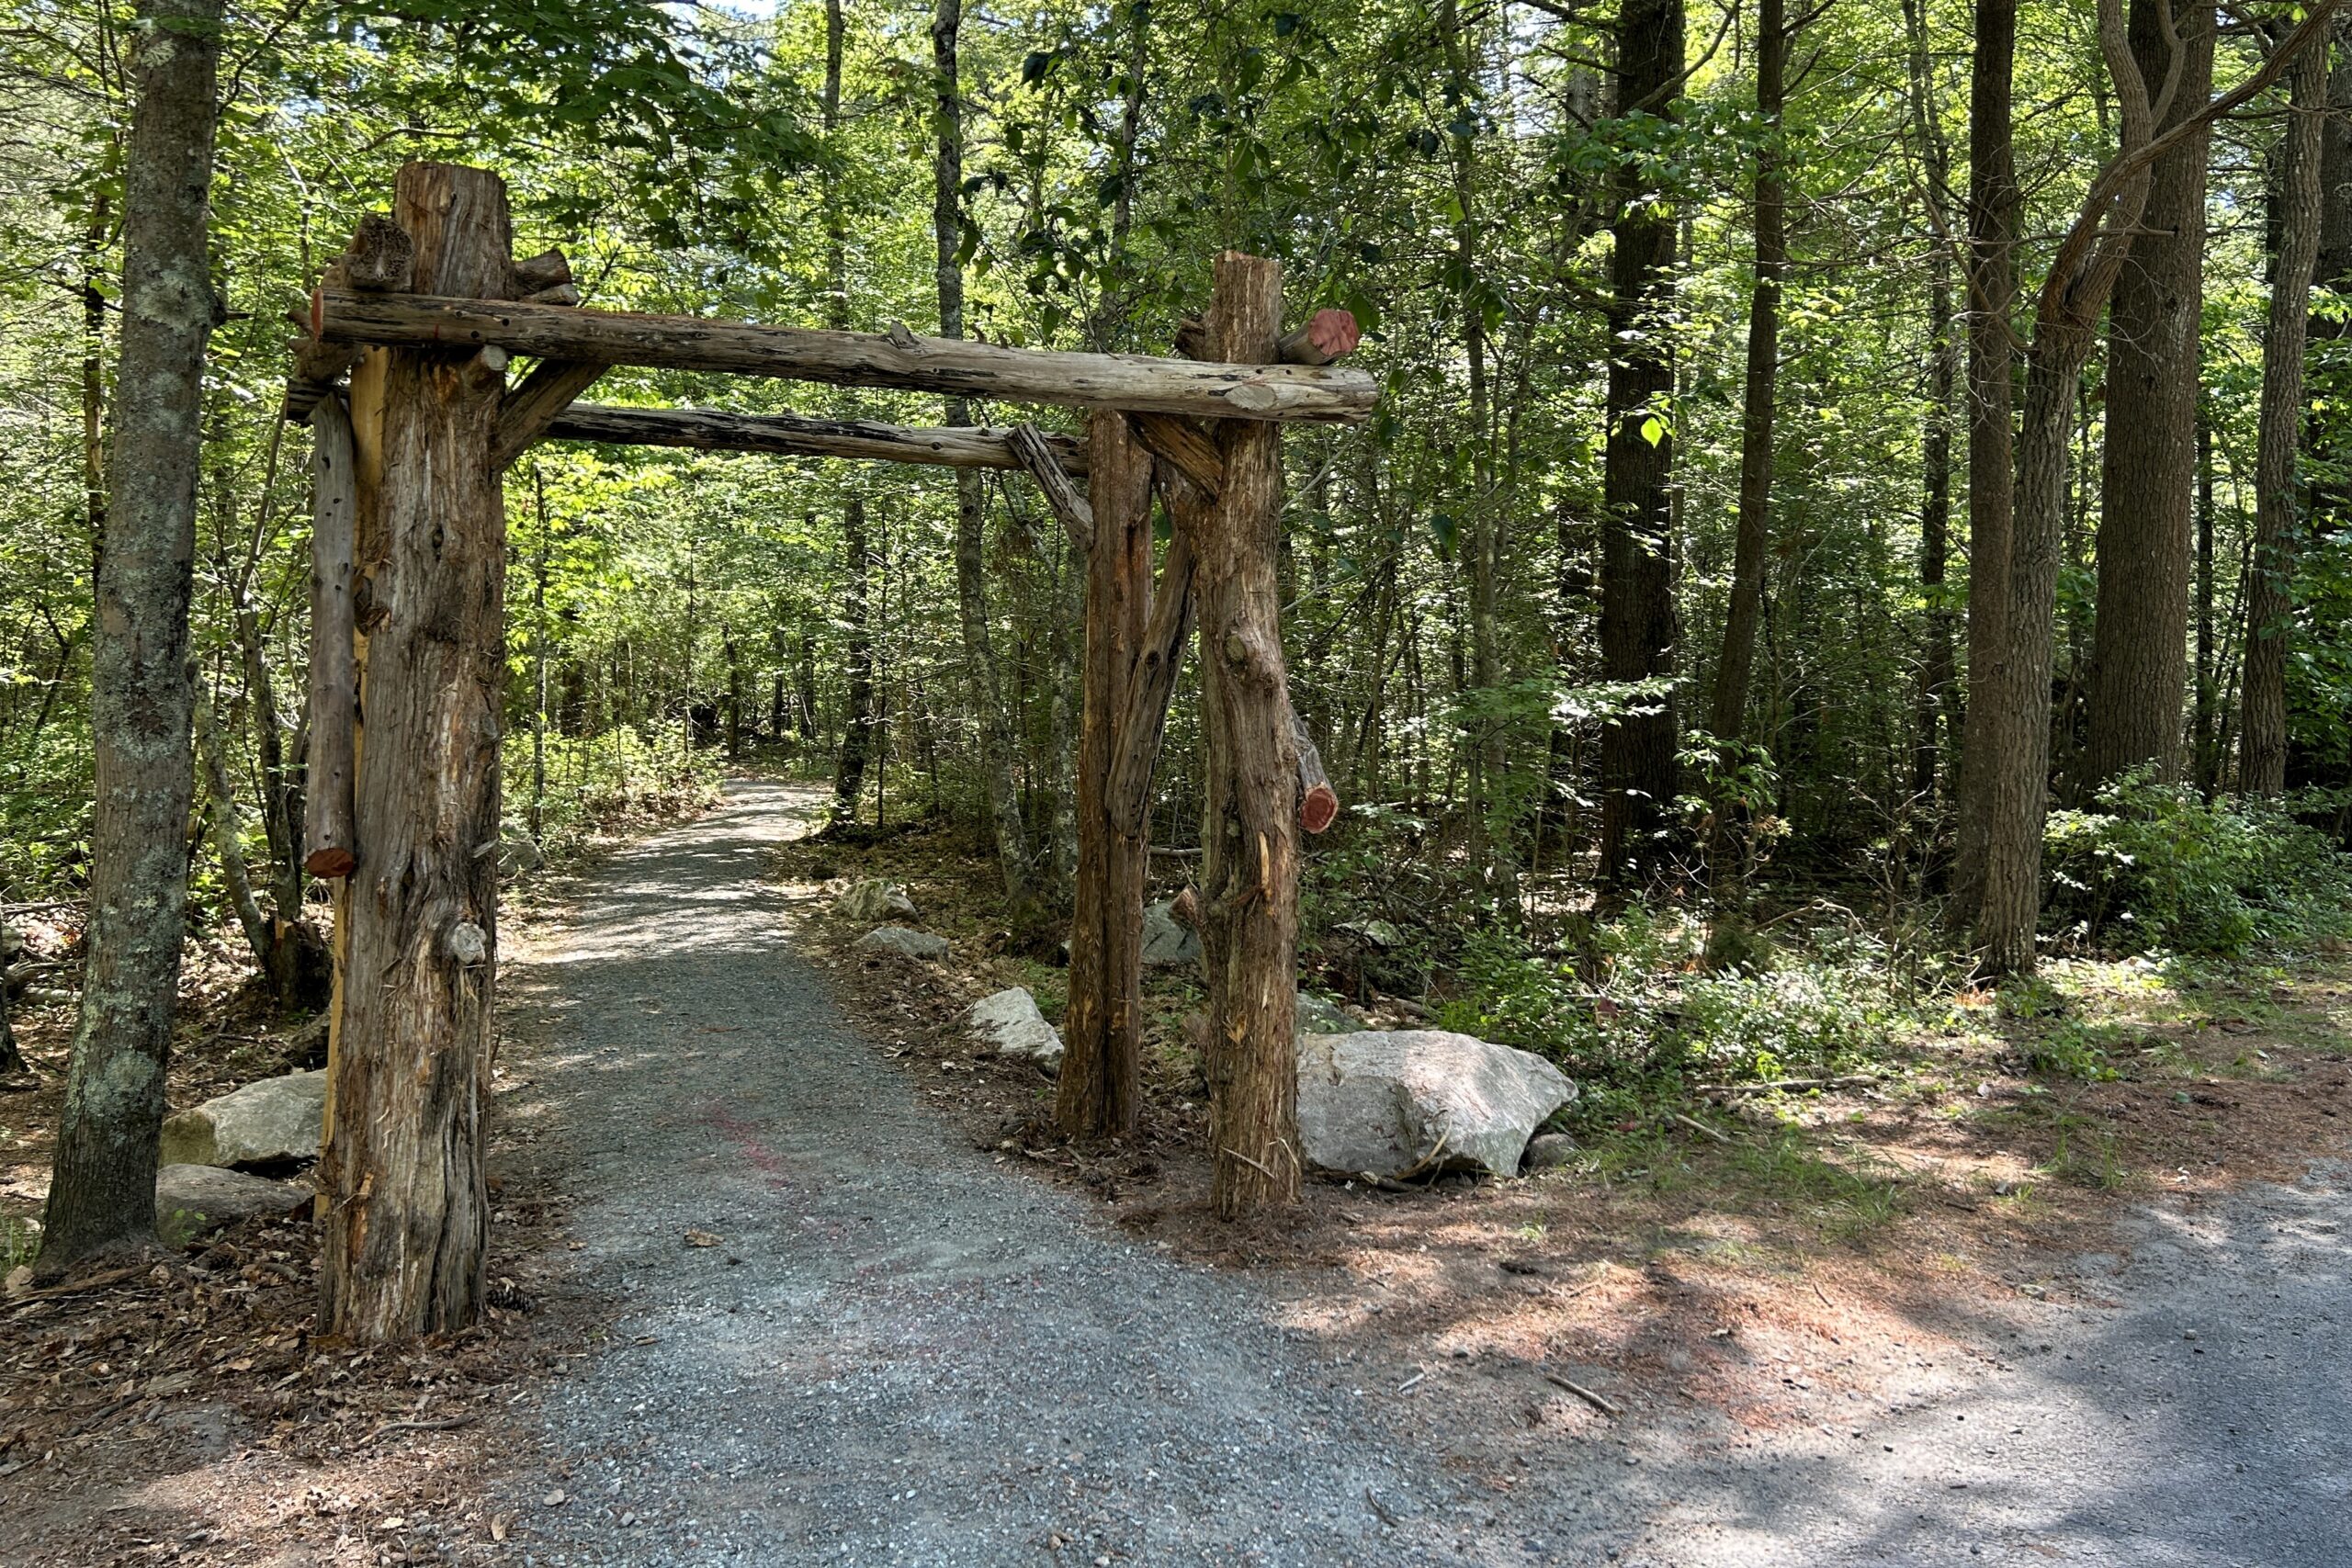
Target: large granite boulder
x=271, y=1122
x=1166, y=942
x=192, y=1200
x=875, y=899
x=1402, y=1102
x=1011, y=1026
x=904, y=941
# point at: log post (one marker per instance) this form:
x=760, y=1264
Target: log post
x=330, y=848
x=1249, y=890
x=1153, y=682
x=403, y=1204
x=1097, y=1094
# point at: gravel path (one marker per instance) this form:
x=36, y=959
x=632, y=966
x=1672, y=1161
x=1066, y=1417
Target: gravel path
x=900, y=1353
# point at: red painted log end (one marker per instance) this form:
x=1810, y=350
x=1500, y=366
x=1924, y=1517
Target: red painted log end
x=1318, y=809
x=330, y=861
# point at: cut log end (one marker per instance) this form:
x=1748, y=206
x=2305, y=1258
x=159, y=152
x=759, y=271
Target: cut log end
x=331, y=862
x=1318, y=809
x=1331, y=333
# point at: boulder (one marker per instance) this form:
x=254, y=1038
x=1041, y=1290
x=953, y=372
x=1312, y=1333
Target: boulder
x=903, y=941
x=1165, y=942
x=191, y=1200
x=1401, y=1102
x=1012, y=1025
x=264, y=1122
x=1549, y=1151
x=875, y=899
x=518, y=853
x=1322, y=1015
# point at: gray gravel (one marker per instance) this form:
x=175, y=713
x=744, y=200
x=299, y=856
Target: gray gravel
x=902, y=1353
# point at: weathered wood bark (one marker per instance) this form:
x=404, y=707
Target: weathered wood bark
x=1249, y=887
x=2138, y=670
x=535, y=403
x=1994, y=209
x=1160, y=653
x=1186, y=446
x=1000, y=749
x=330, y=839
x=1044, y=458
x=404, y=1209
x=1259, y=390
x=1637, y=613
x=102, y=1194
x=1727, y=714
x=800, y=436
x=2269, y=602
x=1097, y=1092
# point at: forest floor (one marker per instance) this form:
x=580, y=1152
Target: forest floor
x=775, y=1290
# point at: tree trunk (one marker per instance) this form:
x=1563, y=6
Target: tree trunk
x=1994, y=207
x=1728, y=714
x=2140, y=636
x=1637, y=616
x=998, y=751
x=1097, y=1094
x=2262, y=754
x=1249, y=831
x=228, y=836
x=403, y=1206
x=1935, y=728
x=857, y=724
x=103, y=1193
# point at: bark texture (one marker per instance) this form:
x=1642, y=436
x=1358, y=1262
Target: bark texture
x=2262, y=754
x=330, y=839
x=1637, y=616
x=1248, y=899
x=403, y=1205
x=2139, y=672
x=1101, y=1032
x=1994, y=207
x=103, y=1192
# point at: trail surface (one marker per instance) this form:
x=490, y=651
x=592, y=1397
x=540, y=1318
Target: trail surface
x=898, y=1352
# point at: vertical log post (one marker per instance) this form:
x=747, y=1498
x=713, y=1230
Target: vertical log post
x=330, y=848
x=404, y=1204
x=1248, y=897
x=1103, y=1029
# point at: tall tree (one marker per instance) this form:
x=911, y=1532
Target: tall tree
x=2138, y=649
x=1994, y=206
x=1637, y=614
x=2269, y=604
x=103, y=1192
x=857, y=725
x=1935, y=722
x=998, y=751
x=1728, y=714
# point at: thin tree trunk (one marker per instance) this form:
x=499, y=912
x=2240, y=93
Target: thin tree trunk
x=1936, y=723
x=857, y=724
x=2262, y=754
x=102, y=1195
x=2205, y=756
x=998, y=751
x=1728, y=716
x=1994, y=207
x=1638, y=615
x=2139, y=649
x=228, y=841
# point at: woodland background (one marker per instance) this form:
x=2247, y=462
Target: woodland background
x=1461, y=176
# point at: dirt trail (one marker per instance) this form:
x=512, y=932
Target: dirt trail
x=898, y=1352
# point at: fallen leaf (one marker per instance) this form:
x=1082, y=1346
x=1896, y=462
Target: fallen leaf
x=703, y=1239
x=498, y=1526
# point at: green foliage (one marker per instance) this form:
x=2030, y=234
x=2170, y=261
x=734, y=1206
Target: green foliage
x=2154, y=866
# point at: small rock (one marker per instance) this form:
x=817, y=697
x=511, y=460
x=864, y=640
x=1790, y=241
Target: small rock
x=1011, y=1024
x=272, y=1120
x=1321, y=1015
x=875, y=899
x=1549, y=1151
x=518, y=853
x=903, y=941
x=195, y=1199
x=1165, y=943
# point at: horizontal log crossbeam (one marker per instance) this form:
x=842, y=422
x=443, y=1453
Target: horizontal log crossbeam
x=1315, y=394
x=799, y=435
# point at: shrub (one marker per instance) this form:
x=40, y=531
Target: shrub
x=2156, y=867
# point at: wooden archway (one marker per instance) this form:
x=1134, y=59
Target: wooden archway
x=403, y=375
